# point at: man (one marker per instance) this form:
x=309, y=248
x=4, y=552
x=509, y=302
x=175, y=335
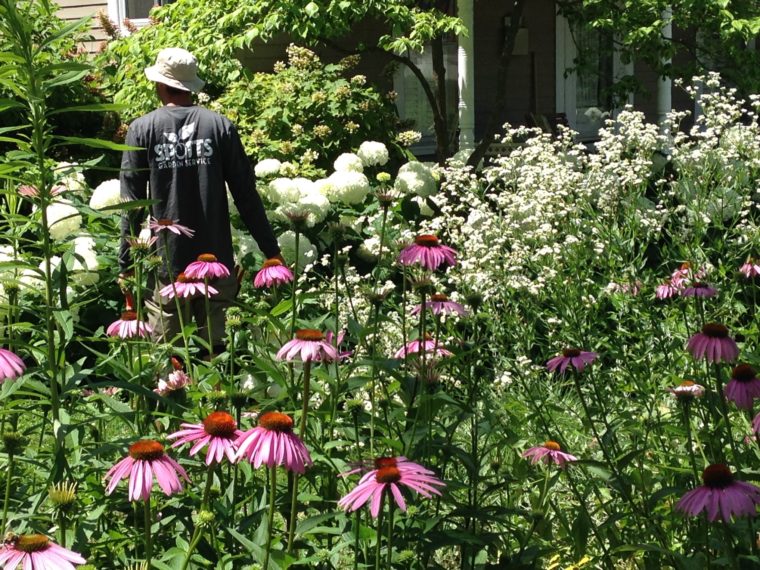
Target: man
x=186, y=155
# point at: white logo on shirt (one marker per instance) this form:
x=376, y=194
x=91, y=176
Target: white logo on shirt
x=182, y=150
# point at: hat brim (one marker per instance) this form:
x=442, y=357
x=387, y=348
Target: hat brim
x=193, y=85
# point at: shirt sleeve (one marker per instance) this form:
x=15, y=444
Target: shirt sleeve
x=241, y=181
x=134, y=186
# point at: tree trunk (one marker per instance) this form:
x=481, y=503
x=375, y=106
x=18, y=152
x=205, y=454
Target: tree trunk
x=493, y=123
x=441, y=120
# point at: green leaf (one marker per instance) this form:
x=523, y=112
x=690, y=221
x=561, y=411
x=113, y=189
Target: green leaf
x=282, y=307
x=92, y=107
x=6, y=104
x=311, y=9
x=95, y=143
x=65, y=31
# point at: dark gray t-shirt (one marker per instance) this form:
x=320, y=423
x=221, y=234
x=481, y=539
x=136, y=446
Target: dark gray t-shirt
x=188, y=155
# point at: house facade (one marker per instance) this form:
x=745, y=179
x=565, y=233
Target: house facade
x=540, y=88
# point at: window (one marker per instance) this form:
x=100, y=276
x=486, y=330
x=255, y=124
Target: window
x=137, y=11
x=412, y=104
x=584, y=94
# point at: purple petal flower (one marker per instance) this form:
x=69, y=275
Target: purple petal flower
x=273, y=443
x=272, y=273
x=206, y=267
x=145, y=461
x=549, y=452
x=218, y=431
x=721, y=496
x=743, y=387
x=574, y=357
x=713, y=344
x=389, y=474
x=309, y=345
x=428, y=252
x=161, y=224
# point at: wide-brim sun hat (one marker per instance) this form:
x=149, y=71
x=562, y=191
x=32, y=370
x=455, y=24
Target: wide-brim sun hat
x=178, y=68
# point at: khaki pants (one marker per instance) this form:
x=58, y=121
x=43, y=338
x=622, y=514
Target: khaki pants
x=166, y=322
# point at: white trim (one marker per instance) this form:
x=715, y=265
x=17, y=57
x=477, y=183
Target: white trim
x=466, y=76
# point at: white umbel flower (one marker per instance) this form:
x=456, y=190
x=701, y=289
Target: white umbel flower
x=348, y=187
x=416, y=178
x=107, y=193
x=63, y=219
x=267, y=168
x=373, y=153
x=348, y=162
x=70, y=176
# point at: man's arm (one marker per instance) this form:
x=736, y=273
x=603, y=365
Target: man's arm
x=242, y=184
x=134, y=181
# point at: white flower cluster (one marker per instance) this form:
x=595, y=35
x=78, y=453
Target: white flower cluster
x=267, y=168
x=63, y=219
x=69, y=176
x=297, y=198
x=416, y=178
x=373, y=153
x=346, y=187
x=84, y=271
x=106, y=194
x=348, y=162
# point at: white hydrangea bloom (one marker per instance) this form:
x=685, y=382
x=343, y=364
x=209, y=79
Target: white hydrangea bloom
x=244, y=244
x=282, y=191
x=416, y=178
x=373, y=153
x=86, y=265
x=63, y=219
x=348, y=162
x=307, y=253
x=107, y=193
x=369, y=250
x=70, y=176
x=267, y=168
x=348, y=187
x=324, y=187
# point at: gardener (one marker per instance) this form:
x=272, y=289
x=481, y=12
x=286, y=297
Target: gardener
x=186, y=155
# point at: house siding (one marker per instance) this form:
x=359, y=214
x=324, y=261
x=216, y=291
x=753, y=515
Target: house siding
x=71, y=10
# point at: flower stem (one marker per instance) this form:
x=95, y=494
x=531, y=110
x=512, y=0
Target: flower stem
x=294, y=308
x=8, y=479
x=689, y=439
x=197, y=532
x=293, y=513
x=379, y=533
x=207, y=302
x=270, y=523
x=389, y=542
x=724, y=410
x=148, y=537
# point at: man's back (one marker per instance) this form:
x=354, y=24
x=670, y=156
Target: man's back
x=189, y=154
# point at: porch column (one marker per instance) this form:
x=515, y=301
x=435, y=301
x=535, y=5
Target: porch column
x=665, y=84
x=466, y=76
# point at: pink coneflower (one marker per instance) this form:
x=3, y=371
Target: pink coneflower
x=743, y=387
x=369, y=464
x=720, y=496
x=440, y=304
x=273, y=443
x=687, y=390
x=218, y=431
x=11, y=365
x=751, y=268
x=161, y=224
x=186, y=287
x=146, y=458
x=699, y=290
x=428, y=252
x=28, y=191
x=272, y=273
x=667, y=290
x=36, y=552
x=206, y=267
x=571, y=356
x=141, y=243
x=309, y=345
x=336, y=342
x=177, y=380
x=549, y=452
x=129, y=327
x=713, y=344
x=429, y=346
x=390, y=473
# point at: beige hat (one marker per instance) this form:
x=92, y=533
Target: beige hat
x=176, y=67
